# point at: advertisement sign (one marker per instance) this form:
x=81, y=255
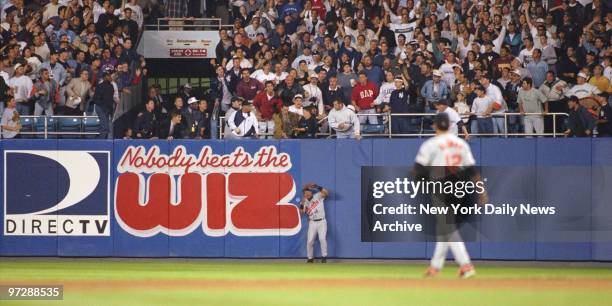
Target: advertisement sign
x=77, y=205
x=178, y=44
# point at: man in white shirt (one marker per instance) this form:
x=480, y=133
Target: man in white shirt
x=448, y=69
x=583, y=89
x=499, y=105
x=298, y=105
x=307, y=57
x=243, y=123
x=481, y=107
x=313, y=93
x=22, y=89
x=254, y=28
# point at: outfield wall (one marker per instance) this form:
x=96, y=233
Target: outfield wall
x=85, y=197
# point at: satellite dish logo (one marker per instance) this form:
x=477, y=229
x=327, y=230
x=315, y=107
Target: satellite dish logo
x=56, y=193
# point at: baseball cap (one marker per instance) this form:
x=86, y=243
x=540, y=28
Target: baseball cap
x=516, y=71
x=192, y=100
x=540, y=20
x=441, y=121
x=237, y=98
x=582, y=75
x=437, y=73
x=399, y=78
x=187, y=86
x=298, y=96
x=17, y=66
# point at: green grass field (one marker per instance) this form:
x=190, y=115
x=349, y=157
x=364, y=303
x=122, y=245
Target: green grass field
x=266, y=282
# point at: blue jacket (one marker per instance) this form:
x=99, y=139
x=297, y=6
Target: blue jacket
x=400, y=101
x=515, y=43
x=428, y=93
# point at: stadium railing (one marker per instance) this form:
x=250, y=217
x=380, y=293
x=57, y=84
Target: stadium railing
x=421, y=128
x=187, y=24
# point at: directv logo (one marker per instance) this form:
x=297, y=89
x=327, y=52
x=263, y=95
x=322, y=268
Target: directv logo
x=56, y=193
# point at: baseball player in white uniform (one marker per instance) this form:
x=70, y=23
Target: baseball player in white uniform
x=446, y=150
x=313, y=205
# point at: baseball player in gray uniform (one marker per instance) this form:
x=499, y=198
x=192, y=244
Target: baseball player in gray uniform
x=313, y=205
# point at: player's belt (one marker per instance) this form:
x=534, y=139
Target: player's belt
x=316, y=220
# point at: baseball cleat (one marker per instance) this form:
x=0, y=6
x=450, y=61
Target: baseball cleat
x=431, y=272
x=467, y=271
x=324, y=260
x=310, y=261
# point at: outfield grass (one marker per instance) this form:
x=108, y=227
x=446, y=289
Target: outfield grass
x=194, y=282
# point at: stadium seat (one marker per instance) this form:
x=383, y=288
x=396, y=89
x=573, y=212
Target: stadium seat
x=39, y=126
x=372, y=128
x=26, y=126
x=69, y=124
x=90, y=124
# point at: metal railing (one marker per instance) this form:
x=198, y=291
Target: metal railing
x=186, y=24
x=54, y=129
x=423, y=131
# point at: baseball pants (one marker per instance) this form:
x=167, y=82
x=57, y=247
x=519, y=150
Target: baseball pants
x=316, y=228
x=456, y=246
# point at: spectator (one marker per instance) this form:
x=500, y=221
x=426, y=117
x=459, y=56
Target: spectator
x=203, y=118
x=399, y=103
x=498, y=106
x=190, y=119
x=11, y=124
x=481, y=108
x=243, y=123
x=104, y=105
x=553, y=91
x=298, y=105
x=46, y=94
x=247, y=88
x=363, y=99
x=285, y=123
x=307, y=125
x=172, y=128
x=580, y=122
x=313, y=94
x=267, y=104
x=530, y=101
x=21, y=86
x=289, y=89
x=434, y=90
x=236, y=105
x=332, y=92
x=537, y=68
x=344, y=121
x=146, y=124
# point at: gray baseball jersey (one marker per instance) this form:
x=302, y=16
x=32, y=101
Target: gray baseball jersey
x=315, y=208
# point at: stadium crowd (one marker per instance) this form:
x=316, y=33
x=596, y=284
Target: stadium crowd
x=294, y=69
x=67, y=57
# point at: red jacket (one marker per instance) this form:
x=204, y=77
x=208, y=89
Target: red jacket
x=266, y=107
x=248, y=90
x=364, y=95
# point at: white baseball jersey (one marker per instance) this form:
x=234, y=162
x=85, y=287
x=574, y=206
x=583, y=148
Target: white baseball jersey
x=445, y=150
x=453, y=118
x=315, y=208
